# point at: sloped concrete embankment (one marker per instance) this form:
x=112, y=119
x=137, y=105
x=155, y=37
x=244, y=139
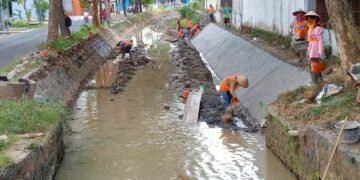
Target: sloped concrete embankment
x=228, y=54
x=61, y=79
x=306, y=154
x=75, y=67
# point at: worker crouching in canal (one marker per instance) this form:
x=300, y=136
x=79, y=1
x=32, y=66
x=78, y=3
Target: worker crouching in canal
x=229, y=85
x=315, y=50
x=125, y=47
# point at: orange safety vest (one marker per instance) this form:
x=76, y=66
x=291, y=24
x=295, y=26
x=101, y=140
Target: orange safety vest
x=196, y=28
x=188, y=23
x=300, y=28
x=224, y=86
x=180, y=33
x=211, y=10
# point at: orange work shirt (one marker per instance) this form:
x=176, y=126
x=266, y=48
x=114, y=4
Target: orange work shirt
x=300, y=28
x=211, y=10
x=224, y=86
x=196, y=28
x=188, y=23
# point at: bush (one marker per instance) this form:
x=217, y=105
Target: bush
x=64, y=42
x=19, y=24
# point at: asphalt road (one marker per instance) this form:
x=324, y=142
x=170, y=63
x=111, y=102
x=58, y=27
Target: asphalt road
x=17, y=45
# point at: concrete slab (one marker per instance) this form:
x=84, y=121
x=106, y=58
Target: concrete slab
x=228, y=54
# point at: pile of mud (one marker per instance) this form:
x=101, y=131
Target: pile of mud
x=127, y=68
x=191, y=73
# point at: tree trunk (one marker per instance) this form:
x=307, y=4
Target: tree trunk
x=124, y=6
x=26, y=12
x=347, y=36
x=65, y=31
x=53, y=22
x=140, y=6
x=136, y=9
x=95, y=20
x=117, y=6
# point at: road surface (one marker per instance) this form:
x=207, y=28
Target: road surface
x=17, y=45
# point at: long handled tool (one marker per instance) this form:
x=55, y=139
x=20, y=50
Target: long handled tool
x=334, y=150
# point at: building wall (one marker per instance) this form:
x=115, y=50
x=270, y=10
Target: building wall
x=29, y=6
x=76, y=9
x=274, y=15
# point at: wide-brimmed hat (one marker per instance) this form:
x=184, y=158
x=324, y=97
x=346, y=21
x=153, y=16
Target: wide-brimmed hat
x=242, y=81
x=312, y=13
x=298, y=11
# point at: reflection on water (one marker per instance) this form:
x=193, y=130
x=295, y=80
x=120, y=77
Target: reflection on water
x=134, y=137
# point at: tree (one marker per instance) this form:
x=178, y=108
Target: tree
x=27, y=12
x=65, y=31
x=146, y=3
x=347, y=36
x=41, y=7
x=95, y=20
x=53, y=23
x=124, y=6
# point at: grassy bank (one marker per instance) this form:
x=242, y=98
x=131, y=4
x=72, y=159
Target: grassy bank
x=26, y=116
x=330, y=110
x=62, y=43
x=24, y=24
x=269, y=37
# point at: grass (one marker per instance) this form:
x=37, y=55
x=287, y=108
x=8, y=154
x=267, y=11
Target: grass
x=331, y=109
x=9, y=67
x=4, y=159
x=269, y=37
x=25, y=116
x=24, y=24
x=62, y=43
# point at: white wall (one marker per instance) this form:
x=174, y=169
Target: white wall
x=273, y=15
x=29, y=5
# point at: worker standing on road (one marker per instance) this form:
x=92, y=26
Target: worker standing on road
x=299, y=25
x=229, y=85
x=315, y=50
x=211, y=13
x=188, y=25
x=226, y=12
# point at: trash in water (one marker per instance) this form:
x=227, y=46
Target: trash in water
x=328, y=90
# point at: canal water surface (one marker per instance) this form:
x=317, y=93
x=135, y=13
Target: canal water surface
x=132, y=136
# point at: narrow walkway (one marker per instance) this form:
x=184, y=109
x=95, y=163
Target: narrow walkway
x=228, y=54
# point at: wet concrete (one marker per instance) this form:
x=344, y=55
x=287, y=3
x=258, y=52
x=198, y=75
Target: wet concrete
x=131, y=135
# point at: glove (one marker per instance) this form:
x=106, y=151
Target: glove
x=235, y=100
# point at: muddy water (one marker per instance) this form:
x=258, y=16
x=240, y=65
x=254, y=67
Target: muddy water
x=132, y=136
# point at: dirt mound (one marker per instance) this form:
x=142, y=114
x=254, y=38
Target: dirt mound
x=191, y=73
x=127, y=68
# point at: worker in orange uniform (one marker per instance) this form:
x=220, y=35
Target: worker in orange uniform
x=178, y=24
x=194, y=30
x=211, y=13
x=229, y=85
x=300, y=27
x=188, y=25
x=181, y=34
